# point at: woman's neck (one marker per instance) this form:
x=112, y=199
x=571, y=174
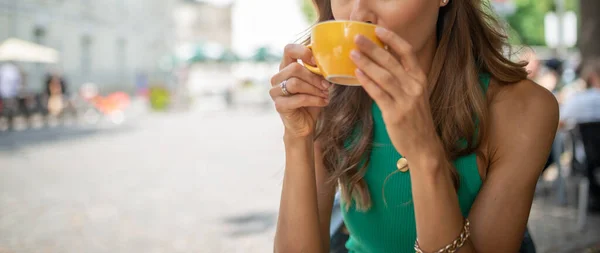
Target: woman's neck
x=426, y=53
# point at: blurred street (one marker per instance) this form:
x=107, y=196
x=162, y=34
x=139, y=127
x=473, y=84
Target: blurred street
x=178, y=182
x=167, y=183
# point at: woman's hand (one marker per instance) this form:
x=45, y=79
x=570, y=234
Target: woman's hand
x=400, y=91
x=308, y=92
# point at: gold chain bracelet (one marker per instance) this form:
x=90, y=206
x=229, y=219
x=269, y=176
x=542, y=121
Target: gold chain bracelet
x=455, y=245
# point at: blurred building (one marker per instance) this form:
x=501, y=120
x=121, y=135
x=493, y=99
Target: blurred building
x=107, y=42
x=203, y=33
x=204, y=21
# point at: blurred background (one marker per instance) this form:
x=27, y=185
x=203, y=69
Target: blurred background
x=146, y=126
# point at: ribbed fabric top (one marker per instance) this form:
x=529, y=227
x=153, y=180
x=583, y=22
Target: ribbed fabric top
x=391, y=228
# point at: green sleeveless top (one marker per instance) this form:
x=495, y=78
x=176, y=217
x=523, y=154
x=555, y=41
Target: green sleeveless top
x=390, y=226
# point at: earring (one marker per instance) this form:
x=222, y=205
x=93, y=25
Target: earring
x=444, y=2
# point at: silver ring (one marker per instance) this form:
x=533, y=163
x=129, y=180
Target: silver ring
x=284, y=88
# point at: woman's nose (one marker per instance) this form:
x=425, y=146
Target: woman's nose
x=361, y=11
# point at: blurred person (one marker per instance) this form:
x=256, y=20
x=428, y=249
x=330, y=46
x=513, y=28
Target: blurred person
x=440, y=146
x=56, y=82
x=573, y=87
x=58, y=95
x=11, y=80
x=26, y=97
x=550, y=79
x=533, y=64
x=55, y=93
x=584, y=106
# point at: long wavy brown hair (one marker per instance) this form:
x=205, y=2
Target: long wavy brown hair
x=470, y=41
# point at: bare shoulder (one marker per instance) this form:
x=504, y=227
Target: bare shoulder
x=521, y=104
x=523, y=118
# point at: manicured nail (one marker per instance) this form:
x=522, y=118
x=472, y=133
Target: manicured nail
x=380, y=30
x=357, y=38
x=355, y=54
x=358, y=72
x=325, y=84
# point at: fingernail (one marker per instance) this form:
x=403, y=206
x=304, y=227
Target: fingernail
x=326, y=101
x=312, y=60
x=380, y=30
x=325, y=84
x=357, y=38
x=355, y=54
x=358, y=72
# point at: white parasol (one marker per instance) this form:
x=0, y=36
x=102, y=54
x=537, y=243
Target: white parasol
x=19, y=50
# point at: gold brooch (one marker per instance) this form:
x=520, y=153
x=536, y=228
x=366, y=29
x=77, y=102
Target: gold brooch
x=402, y=164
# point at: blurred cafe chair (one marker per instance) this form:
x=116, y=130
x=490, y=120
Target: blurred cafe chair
x=584, y=144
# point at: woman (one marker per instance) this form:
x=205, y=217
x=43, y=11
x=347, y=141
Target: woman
x=473, y=132
x=55, y=93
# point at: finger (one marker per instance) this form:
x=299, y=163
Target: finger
x=288, y=104
x=386, y=80
x=402, y=48
x=380, y=96
x=380, y=56
x=298, y=86
x=293, y=52
x=299, y=71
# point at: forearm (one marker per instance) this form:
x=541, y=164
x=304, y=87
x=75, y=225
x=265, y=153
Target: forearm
x=298, y=222
x=437, y=212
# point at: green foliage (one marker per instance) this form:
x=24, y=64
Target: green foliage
x=308, y=10
x=528, y=20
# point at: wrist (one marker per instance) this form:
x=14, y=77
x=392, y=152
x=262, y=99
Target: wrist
x=292, y=141
x=291, y=138
x=430, y=159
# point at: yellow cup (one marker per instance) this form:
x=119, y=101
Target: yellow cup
x=331, y=44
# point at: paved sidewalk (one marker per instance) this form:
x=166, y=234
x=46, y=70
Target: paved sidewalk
x=554, y=227
x=205, y=182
